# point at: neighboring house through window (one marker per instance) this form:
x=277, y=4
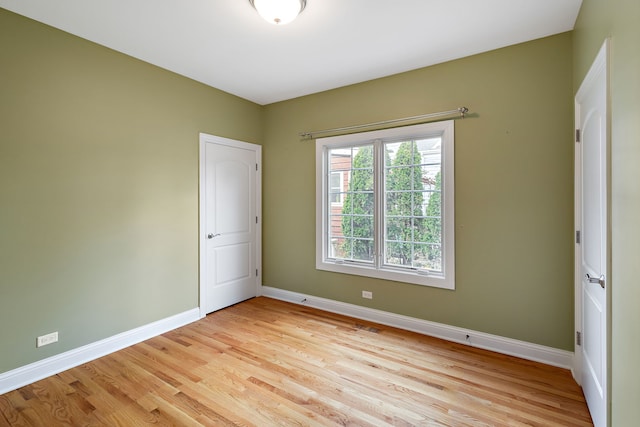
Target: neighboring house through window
x=336, y=182
x=385, y=204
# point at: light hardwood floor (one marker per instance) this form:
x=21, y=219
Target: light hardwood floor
x=269, y=363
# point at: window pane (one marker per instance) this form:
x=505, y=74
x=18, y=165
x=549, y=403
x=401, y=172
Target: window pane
x=336, y=248
x=413, y=214
x=335, y=226
x=431, y=177
x=361, y=229
x=363, y=250
x=399, y=253
x=405, y=229
x=430, y=151
x=335, y=180
x=336, y=187
x=431, y=231
x=362, y=203
x=356, y=233
x=431, y=159
x=403, y=240
x=394, y=229
x=358, y=226
x=340, y=159
x=428, y=257
x=350, y=218
x=361, y=177
x=393, y=203
x=391, y=149
x=406, y=203
x=352, y=226
x=346, y=208
x=432, y=203
x=361, y=180
x=354, y=249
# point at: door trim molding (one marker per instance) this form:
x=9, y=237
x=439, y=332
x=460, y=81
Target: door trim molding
x=213, y=139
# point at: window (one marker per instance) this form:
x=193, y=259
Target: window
x=385, y=204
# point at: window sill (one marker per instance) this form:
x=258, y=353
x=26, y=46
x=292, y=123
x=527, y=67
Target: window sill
x=413, y=277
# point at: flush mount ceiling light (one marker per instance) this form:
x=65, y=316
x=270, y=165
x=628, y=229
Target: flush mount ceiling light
x=279, y=12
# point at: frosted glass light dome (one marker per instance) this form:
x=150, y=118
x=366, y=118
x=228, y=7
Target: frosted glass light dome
x=279, y=12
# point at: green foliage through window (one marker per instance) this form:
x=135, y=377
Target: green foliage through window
x=357, y=219
x=412, y=208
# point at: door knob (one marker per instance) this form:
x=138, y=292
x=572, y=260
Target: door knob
x=211, y=235
x=599, y=280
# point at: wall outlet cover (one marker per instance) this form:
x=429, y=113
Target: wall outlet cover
x=47, y=339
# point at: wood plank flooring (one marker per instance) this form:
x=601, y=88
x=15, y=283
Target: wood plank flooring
x=269, y=363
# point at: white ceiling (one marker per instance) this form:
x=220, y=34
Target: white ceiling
x=333, y=43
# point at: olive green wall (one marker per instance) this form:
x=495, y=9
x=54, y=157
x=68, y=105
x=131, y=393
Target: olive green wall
x=98, y=188
x=514, y=191
x=618, y=19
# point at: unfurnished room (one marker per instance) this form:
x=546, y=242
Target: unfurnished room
x=319, y=213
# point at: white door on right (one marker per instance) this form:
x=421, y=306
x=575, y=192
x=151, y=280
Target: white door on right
x=592, y=175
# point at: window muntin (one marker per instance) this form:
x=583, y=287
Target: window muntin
x=395, y=220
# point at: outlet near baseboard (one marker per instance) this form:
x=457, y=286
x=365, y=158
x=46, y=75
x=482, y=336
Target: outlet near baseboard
x=367, y=294
x=47, y=339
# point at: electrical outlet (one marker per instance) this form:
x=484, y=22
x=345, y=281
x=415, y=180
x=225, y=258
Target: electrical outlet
x=367, y=294
x=47, y=339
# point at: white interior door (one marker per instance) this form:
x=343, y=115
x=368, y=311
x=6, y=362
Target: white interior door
x=592, y=252
x=230, y=232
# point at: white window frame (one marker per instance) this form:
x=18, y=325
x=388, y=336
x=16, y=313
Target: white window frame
x=445, y=279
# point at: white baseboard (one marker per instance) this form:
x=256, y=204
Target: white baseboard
x=28, y=374
x=512, y=347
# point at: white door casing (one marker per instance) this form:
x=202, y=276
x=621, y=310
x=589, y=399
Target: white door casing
x=230, y=226
x=592, y=250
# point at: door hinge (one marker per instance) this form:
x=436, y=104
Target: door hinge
x=256, y=272
x=256, y=220
x=256, y=166
x=578, y=338
x=577, y=135
x=578, y=236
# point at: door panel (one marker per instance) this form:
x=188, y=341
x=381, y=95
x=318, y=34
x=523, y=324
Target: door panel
x=593, y=354
x=236, y=260
x=592, y=197
x=230, y=238
x=232, y=193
